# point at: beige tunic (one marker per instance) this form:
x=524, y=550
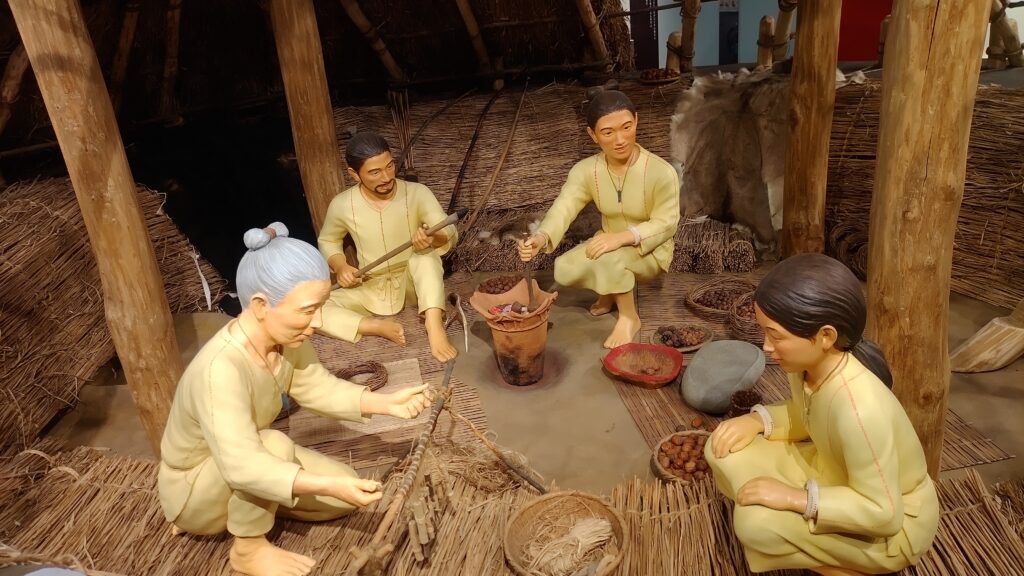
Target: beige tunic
x=408, y=276
x=649, y=202
x=217, y=446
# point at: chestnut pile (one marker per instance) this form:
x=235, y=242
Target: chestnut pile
x=746, y=310
x=683, y=456
x=742, y=402
x=655, y=74
x=498, y=284
x=718, y=298
x=680, y=336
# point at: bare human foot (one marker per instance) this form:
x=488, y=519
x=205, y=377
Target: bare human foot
x=626, y=328
x=257, y=557
x=603, y=305
x=175, y=531
x=384, y=328
x=440, y=346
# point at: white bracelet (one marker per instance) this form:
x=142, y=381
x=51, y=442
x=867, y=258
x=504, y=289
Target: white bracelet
x=636, y=235
x=812, y=499
x=766, y=417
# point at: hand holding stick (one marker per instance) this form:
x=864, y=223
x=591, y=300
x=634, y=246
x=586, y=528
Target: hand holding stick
x=451, y=219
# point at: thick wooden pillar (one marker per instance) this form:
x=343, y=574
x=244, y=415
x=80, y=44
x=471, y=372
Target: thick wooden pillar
x=688, y=34
x=70, y=80
x=309, y=103
x=928, y=87
x=812, y=97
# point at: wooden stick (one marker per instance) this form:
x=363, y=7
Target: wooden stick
x=451, y=219
x=882, y=33
x=55, y=34
x=812, y=95
x=10, y=86
x=927, y=105
x=996, y=52
x=469, y=151
x=415, y=137
x=124, y=50
x=674, y=48
x=527, y=475
x=688, y=34
x=297, y=37
x=783, y=24
x=168, y=106
x=355, y=13
x=474, y=34
x=593, y=29
x=765, y=37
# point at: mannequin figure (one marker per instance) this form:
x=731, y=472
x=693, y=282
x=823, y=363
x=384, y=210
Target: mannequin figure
x=834, y=479
x=637, y=194
x=221, y=465
x=381, y=212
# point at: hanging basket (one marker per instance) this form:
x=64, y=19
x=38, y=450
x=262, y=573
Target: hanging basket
x=723, y=293
x=742, y=322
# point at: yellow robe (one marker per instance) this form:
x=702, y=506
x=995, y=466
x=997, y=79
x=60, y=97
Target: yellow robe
x=650, y=202
x=221, y=466
x=409, y=276
x=878, y=510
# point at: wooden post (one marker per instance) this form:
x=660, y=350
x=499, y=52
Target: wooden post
x=673, y=46
x=783, y=24
x=355, y=13
x=928, y=87
x=765, y=38
x=309, y=103
x=996, y=52
x=812, y=97
x=70, y=80
x=593, y=29
x=168, y=108
x=882, y=33
x=474, y=34
x=688, y=40
x=124, y=50
x=10, y=86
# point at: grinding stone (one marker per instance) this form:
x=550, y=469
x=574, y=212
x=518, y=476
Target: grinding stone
x=719, y=370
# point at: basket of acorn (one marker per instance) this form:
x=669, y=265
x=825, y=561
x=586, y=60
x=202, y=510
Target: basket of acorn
x=679, y=457
x=685, y=337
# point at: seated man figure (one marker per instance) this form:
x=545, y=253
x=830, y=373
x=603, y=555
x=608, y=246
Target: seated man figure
x=380, y=213
x=637, y=194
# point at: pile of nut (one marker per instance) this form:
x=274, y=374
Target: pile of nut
x=742, y=402
x=680, y=336
x=683, y=456
x=655, y=74
x=718, y=298
x=498, y=284
x=746, y=310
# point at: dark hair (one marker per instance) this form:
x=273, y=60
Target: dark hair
x=362, y=147
x=604, y=103
x=807, y=291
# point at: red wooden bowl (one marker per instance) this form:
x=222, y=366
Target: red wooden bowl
x=646, y=365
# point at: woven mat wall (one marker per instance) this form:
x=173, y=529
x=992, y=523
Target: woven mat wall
x=52, y=322
x=102, y=511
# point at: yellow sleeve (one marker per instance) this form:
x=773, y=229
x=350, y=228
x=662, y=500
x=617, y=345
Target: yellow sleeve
x=575, y=195
x=429, y=212
x=787, y=416
x=319, y=391
x=224, y=409
x=664, y=215
x=334, y=230
x=862, y=436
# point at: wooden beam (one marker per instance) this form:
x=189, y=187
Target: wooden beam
x=71, y=83
x=812, y=97
x=883, y=32
x=688, y=34
x=124, y=50
x=10, y=86
x=474, y=34
x=593, y=29
x=309, y=103
x=168, y=105
x=765, y=38
x=355, y=13
x=928, y=88
x=783, y=24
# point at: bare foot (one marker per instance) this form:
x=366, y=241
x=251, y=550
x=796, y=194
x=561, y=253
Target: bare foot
x=257, y=557
x=384, y=328
x=602, y=305
x=175, y=531
x=626, y=328
x=440, y=347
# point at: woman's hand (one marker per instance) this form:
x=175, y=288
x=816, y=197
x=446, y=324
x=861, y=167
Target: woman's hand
x=735, y=434
x=406, y=403
x=356, y=491
x=771, y=493
x=530, y=247
x=604, y=242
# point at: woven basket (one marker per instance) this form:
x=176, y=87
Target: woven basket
x=743, y=328
x=714, y=314
x=522, y=527
x=659, y=471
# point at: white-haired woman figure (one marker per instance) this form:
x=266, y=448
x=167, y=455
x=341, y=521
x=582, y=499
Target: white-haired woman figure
x=222, y=467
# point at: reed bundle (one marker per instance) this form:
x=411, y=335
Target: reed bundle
x=52, y=322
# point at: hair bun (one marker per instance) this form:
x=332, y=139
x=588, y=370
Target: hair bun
x=256, y=238
x=279, y=228
x=592, y=93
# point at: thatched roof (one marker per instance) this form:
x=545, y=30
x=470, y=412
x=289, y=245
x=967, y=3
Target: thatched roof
x=227, y=56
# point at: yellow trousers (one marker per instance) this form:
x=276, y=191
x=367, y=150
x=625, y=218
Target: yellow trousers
x=422, y=281
x=615, y=272
x=213, y=506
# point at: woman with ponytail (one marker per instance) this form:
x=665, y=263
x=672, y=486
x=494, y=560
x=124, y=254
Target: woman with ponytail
x=834, y=479
x=221, y=465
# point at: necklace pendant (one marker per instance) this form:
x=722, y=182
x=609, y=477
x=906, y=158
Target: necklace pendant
x=619, y=194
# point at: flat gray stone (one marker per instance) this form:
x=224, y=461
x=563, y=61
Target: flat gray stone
x=717, y=371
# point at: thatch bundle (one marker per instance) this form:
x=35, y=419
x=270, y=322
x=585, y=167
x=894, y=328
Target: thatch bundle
x=52, y=322
x=988, y=252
